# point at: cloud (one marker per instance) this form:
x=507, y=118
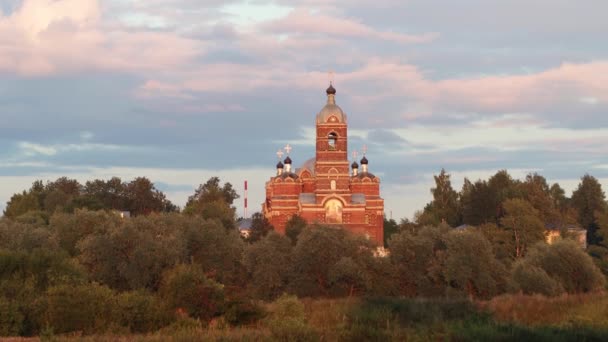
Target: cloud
x=45, y=37
x=302, y=21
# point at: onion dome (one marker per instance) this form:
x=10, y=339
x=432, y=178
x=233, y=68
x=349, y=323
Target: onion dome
x=288, y=160
x=331, y=113
x=364, y=161
x=355, y=165
x=280, y=165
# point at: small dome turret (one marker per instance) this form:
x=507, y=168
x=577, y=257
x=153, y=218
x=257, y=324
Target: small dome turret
x=280, y=165
x=331, y=113
x=355, y=165
x=288, y=160
x=364, y=161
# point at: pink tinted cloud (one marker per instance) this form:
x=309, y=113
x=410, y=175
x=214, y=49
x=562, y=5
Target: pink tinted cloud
x=302, y=21
x=50, y=36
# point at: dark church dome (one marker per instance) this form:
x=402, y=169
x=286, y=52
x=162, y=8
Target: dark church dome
x=364, y=161
x=355, y=165
x=280, y=165
x=287, y=160
x=331, y=108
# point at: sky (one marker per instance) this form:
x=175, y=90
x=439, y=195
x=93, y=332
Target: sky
x=183, y=90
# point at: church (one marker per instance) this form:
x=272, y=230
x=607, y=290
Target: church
x=327, y=189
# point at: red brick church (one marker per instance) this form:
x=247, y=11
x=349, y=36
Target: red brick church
x=326, y=189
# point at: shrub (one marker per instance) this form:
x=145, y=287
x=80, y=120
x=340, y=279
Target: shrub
x=11, y=319
x=288, y=321
x=141, y=311
x=88, y=308
x=568, y=264
x=530, y=279
x=185, y=287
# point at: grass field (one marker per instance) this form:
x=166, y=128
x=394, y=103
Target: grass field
x=504, y=318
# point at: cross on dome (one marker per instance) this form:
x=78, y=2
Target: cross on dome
x=288, y=149
x=280, y=154
x=364, y=150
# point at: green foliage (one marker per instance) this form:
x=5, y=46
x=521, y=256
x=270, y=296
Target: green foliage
x=212, y=201
x=115, y=255
x=418, y=257
x=390, y=227
x=316, y=253
x=260, y=227
x=589, y=199
x=524, y=225
x=268, y=262
x=444, y=208
x=530, y=279
x=568, y=264
x=11, y=318
x=185, y=287
x=470, y=267
x=294, y=227
x=87, y=307
x=65, y=195
x=140, y=311
x=288, y=321
x=243, y=311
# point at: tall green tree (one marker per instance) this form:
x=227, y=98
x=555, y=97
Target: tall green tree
x=470, y=266
x=260, y=227
x=524, y=224
x=589, y=199
x=294, y=226
x=212, y=201
x=444, y=207
x=267, y=262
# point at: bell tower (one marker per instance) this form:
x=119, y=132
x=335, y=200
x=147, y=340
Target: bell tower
x=332, y=165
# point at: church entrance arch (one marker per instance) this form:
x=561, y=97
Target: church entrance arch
x=333, y=211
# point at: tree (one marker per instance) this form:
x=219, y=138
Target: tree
x=568, y=264
x=477, y=203
x=267, y=262
x=588, y=199
x=537, y=192
x=260, y=227
x=599, y=251
x=417, y=257
x=213, y=201
x=185, y=287
x=390, y=227
x=522, y=220
x=470, y=266
x=294, y=226
x=444, y=207
x=144, y=198
x=317, y=251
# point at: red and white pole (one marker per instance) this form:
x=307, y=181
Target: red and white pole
x=245, y=199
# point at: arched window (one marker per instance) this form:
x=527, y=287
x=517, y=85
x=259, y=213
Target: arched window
x=333, y=184
x=332, y=140
x=333, y=211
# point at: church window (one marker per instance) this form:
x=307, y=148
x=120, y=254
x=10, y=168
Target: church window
x=333, y=184
x=332, y=140
x=366, y=219
x=333, y=211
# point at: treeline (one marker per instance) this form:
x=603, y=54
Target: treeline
x=93, y=271
x=66, y=195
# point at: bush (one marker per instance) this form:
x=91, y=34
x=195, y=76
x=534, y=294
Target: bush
x=11, y=319
x=185, y=287
x=243, y=311
x=568, y=264
x=88, y=308
x=141, y=312
x=288, y=321
x=530, y=279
